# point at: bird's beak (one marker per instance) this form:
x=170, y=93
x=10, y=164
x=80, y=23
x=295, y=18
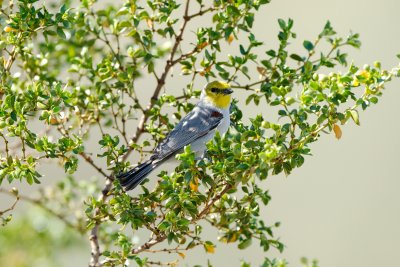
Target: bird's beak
x=227, y=91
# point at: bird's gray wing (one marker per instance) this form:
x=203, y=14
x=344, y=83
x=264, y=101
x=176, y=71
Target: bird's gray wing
x=194, y=125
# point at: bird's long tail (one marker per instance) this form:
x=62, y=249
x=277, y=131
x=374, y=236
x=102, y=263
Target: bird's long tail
x=134, y=177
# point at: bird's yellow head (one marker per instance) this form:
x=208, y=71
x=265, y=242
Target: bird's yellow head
x=218, y=94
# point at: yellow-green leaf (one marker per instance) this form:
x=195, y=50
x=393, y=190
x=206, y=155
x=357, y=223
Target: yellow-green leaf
x=354, y=116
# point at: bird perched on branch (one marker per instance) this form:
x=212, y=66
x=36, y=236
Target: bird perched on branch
x=211, y=114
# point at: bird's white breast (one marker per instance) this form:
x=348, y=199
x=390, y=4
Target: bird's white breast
x=199, y=146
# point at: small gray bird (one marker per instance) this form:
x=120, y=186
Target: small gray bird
x=211, y=114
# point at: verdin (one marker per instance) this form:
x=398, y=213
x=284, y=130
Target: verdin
x=210, y=114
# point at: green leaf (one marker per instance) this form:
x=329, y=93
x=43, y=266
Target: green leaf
x=56, y=109
x=271, y=53
x=60, y=33
x=242, y=50
x=63, y=8
x=164, y=226
x=296, y=57
x=50, y=32
x=244, y=244
x=13, y=115
x=282, y=24
x=29, y=178
x=249, y=19
x=308, y=45
x=249, y=98
x=170, y=237
x=266, y=63
x=327, y=31
x=373, y=100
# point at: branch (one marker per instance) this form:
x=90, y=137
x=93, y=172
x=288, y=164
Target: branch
x=208, y=206
x=95, y=247
x=149, y=244
x=173, y=263
x=11, y=59
x=201, y=12
x=93, y=237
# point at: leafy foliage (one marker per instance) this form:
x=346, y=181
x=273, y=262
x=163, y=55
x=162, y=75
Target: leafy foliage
x=76, y=71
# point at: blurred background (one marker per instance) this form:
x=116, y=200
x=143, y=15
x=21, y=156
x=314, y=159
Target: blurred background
x=342, y=206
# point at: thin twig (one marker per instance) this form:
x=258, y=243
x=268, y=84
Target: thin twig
x=170, y=250
x=89, y=160
x=172, y=263
x=13, y=54
x=13, y=205
x=249, y=86
x=108, y=43
x=39, y=203
x=6, y=144
x=2, y=11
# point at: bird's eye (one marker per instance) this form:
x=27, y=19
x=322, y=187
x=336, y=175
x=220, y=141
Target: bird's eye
x=214, y=90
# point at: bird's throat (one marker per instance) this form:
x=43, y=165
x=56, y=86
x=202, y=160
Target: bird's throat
x=220, y=101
